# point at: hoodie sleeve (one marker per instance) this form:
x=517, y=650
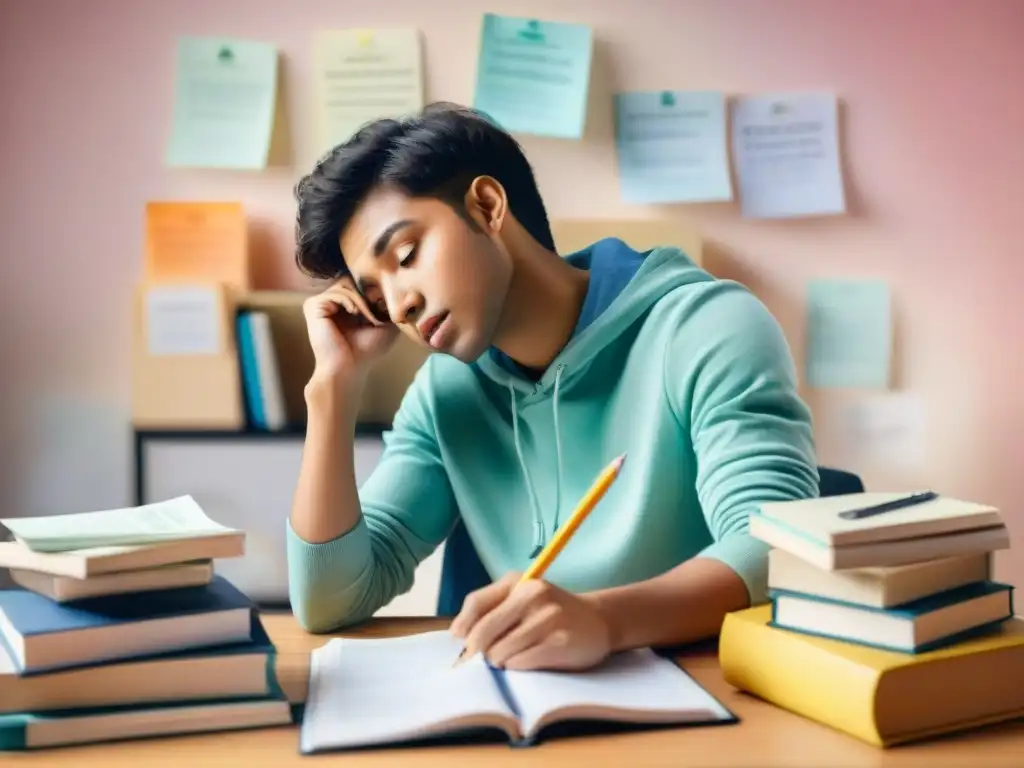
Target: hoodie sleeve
x=751, y=432
x=408, y=509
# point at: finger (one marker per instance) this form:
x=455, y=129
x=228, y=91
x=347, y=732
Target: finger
x=359, y=306
x=531, y=631
x=523, y=599
x=552, y=652
x=364, y=308
x=479, y=603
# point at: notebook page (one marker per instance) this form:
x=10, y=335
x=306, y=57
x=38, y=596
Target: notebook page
x=377, y=691
x=637, y=686
x=176, y=518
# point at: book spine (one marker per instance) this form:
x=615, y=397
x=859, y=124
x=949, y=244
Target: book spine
x=250, y=371
x=774, y=665
x=13, y=733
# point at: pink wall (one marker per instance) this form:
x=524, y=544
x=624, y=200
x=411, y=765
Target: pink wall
x=935, y=145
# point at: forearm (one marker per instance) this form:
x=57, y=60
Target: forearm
x=326, y=501
x=683, y=605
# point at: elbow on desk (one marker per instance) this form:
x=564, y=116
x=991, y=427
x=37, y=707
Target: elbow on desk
x=319, y=617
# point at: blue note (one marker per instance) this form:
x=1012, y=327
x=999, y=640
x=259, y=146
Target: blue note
x=672, y=147
x=533, y=76
x=849, y=334
x=225, y=102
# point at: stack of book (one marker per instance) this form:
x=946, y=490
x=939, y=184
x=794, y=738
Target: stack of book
x=119, y=628
x=884, y=618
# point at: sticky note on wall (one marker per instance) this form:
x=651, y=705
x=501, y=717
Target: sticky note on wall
x=197, y=241
x=786, y=150
x=849, y=334
x=671, y=146
x=225, y=98
x=533, y=76
x=361, y=75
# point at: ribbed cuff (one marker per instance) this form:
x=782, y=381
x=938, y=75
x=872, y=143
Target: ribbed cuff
x=342, y=560
x=748, y=557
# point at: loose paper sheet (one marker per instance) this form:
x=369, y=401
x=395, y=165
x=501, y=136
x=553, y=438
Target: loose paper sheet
x=183, y=320
x=887, y=430
x=225, y=99
x=361, y=75
x=849, y=334
x=672, y=147
x=786, y=149
x=533, y=76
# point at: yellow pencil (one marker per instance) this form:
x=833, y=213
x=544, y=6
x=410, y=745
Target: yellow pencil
x=586, y=505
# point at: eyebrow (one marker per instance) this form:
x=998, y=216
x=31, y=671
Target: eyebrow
x=381, y=243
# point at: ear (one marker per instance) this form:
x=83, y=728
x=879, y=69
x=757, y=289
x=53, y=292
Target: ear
x=487, y=203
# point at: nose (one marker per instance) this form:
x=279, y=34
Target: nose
x=404, y=306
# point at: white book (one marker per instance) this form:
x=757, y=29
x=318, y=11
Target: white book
x=378, y=692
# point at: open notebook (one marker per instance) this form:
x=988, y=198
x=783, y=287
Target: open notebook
x=376, y=692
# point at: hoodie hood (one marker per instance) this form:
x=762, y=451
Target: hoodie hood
x=624, y=285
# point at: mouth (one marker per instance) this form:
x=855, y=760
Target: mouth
x=428, y=328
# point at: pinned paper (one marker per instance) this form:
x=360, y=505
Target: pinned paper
x=225, y=99
x=887, y=430
x=672, y=147
x=197, y=241
x=533, y=76
x=786, y=150
x=361, y=75
x=849, y=334
x=183, y=320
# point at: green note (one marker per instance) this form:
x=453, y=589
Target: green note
x=533, y=76
x=225, y=99
x=849, y=334
x=178, y=518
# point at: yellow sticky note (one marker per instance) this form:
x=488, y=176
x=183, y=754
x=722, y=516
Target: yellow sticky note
x=352, y=88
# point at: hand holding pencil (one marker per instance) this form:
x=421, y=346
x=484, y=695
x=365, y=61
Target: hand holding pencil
x=523, y=622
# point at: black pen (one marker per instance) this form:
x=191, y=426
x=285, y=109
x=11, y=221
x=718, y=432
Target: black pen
x=877, y=509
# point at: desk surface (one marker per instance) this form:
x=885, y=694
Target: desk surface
x=766, y=735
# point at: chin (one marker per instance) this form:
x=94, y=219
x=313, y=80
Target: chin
x=466, y=348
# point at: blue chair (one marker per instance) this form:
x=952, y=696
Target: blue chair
x=462, y=572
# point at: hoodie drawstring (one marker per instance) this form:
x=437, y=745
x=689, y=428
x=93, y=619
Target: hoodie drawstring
x=539, y=532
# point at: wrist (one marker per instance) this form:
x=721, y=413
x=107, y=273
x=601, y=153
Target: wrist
x=605, y=610
x=333, y=395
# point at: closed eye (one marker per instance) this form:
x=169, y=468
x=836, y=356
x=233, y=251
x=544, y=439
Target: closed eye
x=406, y=254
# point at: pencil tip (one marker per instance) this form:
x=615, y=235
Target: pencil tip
x=620, y=461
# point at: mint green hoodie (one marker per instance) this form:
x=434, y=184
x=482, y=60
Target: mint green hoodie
x=688, y=375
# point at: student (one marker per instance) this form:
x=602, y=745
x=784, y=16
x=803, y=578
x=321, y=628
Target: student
x=544, y=369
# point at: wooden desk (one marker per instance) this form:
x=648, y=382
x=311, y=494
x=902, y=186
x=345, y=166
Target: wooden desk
x=767, y=736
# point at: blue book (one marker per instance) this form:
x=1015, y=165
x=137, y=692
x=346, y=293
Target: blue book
x=42, y=635
x=925, y=624
x=233, y=671
x=251, y=387
x=29, y=731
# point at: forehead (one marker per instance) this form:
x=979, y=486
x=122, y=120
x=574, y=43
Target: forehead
x=380, y=211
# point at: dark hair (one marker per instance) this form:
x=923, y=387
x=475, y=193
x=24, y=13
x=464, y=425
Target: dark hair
x=436, y=153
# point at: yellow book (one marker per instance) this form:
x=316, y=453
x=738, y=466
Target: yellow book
x=880, y=697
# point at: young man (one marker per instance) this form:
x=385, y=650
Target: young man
x=545, y=369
